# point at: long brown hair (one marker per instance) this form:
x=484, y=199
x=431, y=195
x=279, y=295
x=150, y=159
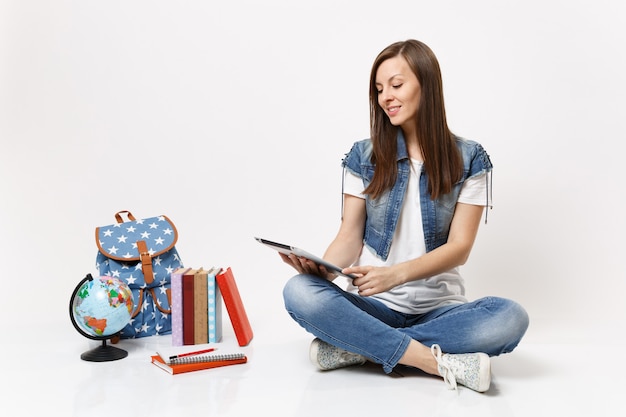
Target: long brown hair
x=442, y=160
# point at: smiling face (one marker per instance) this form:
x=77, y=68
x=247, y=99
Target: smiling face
x=399, y=92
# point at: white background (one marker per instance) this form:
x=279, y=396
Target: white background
x=232, y=118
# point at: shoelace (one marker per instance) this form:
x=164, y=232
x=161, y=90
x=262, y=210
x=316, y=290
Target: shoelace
x=447, y=374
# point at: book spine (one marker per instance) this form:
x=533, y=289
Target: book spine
x=214, y=309
x=234, y=307
x=177, y=307
x=188, y=309
x=200, y=300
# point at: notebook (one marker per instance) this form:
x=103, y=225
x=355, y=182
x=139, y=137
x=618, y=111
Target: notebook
x=288, y=249
x=187, y=351
x=213, y=357
x=200, y=362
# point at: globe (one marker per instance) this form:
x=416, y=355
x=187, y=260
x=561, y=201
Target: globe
x=99, y=309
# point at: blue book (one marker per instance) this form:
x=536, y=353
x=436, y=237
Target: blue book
x=214, y=307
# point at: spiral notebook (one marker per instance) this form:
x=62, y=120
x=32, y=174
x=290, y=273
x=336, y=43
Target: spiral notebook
x=198, y=362
x=214, y=357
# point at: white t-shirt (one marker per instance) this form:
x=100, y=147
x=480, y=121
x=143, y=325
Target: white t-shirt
x=423, y=295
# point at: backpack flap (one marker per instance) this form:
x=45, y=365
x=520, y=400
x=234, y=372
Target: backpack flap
x=137, y=241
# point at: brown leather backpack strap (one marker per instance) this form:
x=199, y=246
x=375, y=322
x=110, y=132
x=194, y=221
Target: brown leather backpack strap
x=139, y=304
x=168, y=292
x=118, y=216
x=146, y=261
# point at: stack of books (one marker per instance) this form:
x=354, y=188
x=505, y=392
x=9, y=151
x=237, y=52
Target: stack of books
x=197, y=296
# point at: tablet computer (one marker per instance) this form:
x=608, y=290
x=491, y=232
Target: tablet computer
x=288, y=250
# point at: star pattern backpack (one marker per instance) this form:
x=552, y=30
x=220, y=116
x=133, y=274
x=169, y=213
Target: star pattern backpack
x=142, y=253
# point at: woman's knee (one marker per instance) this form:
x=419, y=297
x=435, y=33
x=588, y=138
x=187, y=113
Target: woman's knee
x=513, y=321
x=301, y=292
x=296, y=287
x=517, y=318
x=292, y=290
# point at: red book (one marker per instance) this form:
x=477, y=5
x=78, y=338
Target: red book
x=234, y=305
x=188, y=307
x=190, y=366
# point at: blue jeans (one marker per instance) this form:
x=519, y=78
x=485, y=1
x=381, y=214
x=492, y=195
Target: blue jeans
x=366, y=326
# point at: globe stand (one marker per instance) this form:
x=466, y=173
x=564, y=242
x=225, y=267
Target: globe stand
x=104, y=353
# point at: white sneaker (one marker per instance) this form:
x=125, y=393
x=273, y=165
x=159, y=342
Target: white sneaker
x=326, y=356
x=472, y=370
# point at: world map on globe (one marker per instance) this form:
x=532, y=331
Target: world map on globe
x=102, y=306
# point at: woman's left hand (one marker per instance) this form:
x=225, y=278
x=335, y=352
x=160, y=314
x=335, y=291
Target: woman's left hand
x=372, y=279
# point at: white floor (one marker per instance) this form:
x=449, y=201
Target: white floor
x=44, y=372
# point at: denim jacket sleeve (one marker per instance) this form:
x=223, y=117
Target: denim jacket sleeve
x=358, y=159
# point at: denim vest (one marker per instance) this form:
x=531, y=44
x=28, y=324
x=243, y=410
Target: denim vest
x=383, y=212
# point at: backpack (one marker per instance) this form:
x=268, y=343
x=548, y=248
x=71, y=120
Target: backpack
x=142, y=254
